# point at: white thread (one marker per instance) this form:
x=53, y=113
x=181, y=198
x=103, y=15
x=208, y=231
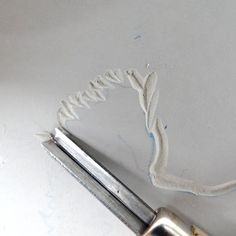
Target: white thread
x=148, y=99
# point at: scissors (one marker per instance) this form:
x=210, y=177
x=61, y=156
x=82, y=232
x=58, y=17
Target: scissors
x=115, y=195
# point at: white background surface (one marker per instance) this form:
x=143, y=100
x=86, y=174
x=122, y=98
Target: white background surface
x=49, y=49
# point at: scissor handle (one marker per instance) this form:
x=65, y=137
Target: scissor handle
x=167, y=223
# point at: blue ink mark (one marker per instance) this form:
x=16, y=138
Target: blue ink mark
x=47, y=214
x=137, y=37
x=45, y=217
x=153, y=149
x=133, y=155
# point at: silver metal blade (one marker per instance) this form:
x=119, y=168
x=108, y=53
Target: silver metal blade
x=127, y=206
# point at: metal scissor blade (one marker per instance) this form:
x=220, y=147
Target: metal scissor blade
x=118, y=198
x=128, y=207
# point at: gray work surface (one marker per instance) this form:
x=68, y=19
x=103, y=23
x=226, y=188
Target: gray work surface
x=51, y=49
